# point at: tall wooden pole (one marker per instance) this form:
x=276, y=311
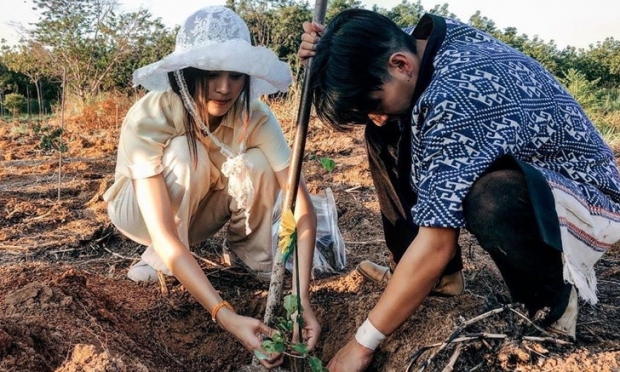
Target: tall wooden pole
x=303, y=117
x=62, y=129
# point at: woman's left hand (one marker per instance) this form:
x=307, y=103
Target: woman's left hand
x=311, y=330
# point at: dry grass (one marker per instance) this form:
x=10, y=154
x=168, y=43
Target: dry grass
x=107, y=111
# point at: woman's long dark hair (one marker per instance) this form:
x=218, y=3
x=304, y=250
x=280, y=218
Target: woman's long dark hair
x=197, y=82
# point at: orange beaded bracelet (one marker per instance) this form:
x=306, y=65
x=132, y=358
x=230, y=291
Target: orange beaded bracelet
x=218, y=307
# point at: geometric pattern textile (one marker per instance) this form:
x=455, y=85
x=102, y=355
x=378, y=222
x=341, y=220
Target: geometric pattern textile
x=485, y=100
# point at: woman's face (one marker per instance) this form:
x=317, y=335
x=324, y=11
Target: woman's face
x=224, y=89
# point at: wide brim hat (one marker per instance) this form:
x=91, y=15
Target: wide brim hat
x=215, y=38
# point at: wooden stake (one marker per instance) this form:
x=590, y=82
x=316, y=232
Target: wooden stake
x=303, y=117
x=274, y=298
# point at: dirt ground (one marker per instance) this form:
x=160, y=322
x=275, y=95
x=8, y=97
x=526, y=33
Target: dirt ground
x=66, y=304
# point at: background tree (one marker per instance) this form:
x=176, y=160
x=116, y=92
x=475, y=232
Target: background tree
x=91, y=40
x=275, y=24
x=545, y=53
x=405, y=14
x=9, y=83
x=14, y=103
x=33, y=61
x=443, y=11
x=144, y=48
x=603, y=62
x=336, y=6
x=483, y=23
x=581, y=88
x=285, y=41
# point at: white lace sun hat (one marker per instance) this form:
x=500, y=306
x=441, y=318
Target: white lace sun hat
x=215, y=38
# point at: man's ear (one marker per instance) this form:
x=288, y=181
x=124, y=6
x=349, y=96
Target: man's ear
x=400, y=62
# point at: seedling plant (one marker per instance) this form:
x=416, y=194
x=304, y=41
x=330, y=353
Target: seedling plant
x=281, y=341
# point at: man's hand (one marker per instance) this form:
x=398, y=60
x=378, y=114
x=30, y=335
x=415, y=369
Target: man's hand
x=309, y=39
x=353, y=357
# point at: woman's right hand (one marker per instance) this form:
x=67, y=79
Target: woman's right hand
x=249, y=331
x=309, y=39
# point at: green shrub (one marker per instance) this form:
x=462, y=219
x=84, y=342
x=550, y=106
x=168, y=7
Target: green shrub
x=14, y=102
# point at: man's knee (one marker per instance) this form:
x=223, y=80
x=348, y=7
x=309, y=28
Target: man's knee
x=497, y=205
x=496, y=195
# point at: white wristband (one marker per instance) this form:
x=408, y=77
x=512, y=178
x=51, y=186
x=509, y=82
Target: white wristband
x=369, y=336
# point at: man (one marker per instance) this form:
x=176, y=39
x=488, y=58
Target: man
x=463, y=131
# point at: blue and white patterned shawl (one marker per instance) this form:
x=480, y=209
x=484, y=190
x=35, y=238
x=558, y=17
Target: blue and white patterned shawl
x=485, y=100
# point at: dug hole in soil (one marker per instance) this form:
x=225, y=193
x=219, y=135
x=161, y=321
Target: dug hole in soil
x=67, y=305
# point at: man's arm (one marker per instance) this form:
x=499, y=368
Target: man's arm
x=416, y=273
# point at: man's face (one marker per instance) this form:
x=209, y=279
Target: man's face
x=381, y=119
x=395, y=97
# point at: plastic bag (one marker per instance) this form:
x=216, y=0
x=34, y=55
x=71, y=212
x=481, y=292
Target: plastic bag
x=329, y=251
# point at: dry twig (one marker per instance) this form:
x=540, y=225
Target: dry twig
x=453, y=338
x=162, y=283
x=529, y=321
x=212, y=263
x=30, y=219
x=116, y=254
x=12, y=249
x=450, y=366
x=547, y=339
x=65, y=250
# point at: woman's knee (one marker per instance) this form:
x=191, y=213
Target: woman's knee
x=186, y=173
x=178, y=159
x=261, y=172
x=125, y=215
x=260, y=164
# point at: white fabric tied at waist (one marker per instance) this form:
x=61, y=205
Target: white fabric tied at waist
x=236, y=167
x=240, y=187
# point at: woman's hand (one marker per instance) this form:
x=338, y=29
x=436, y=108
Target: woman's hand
x=353, y=357
x=311, y=330
x=249, y=331
x=309, y=39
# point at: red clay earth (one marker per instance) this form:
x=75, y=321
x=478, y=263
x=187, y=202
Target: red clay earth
x=66, y=304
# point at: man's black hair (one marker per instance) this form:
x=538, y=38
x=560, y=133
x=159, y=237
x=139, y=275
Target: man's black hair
x=351, y=62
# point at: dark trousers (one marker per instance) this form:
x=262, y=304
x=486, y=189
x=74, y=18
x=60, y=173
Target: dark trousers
x=498, y=212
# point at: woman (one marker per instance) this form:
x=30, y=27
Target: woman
x=199, y=152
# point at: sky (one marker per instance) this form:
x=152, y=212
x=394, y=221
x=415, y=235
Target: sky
x=562, y=21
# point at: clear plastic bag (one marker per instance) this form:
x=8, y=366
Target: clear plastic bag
x=329, y=253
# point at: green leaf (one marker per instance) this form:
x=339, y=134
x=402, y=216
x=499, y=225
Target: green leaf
x=286, y=326
x=328, y=164
x=290, y=304
x=260, y=355
x=273, y=346
x=300, y=348
x=316, y=365
x=277, y=336
x=291, y=247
